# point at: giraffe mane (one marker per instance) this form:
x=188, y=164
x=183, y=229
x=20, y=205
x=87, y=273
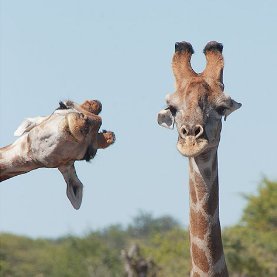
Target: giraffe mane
x=90, y=153
x=65, y=105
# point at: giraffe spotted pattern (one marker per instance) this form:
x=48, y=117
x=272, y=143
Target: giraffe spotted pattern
x=196, y=109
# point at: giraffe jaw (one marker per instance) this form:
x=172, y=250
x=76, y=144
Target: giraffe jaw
x=191, y=147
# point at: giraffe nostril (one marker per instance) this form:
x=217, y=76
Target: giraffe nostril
x=194, y=131
x=197, y=131
x=184, y=131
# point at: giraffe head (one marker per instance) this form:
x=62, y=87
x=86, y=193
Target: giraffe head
x=199, y=103
x=69, y=134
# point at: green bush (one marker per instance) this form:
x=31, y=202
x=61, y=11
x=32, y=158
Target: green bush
x=250, y=246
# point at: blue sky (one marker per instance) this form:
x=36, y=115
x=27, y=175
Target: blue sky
x=120, y=53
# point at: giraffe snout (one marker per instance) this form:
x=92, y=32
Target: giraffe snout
x=191, y=130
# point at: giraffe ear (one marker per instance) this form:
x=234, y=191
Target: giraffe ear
x=74, y=190
x=166, y=119
x=231, y=108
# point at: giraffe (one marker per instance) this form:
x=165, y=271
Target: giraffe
x=196, y=108
x=70, y=133
x=137, y=266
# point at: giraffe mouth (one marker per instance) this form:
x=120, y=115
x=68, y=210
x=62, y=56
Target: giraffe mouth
x=191, y=146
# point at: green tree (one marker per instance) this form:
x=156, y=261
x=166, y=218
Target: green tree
x=144, y=224
x=170, y=251
x=261, y=210
x=251, y=246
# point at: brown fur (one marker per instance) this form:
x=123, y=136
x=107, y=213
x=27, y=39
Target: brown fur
x=105, y=139
x=200, y=187
x=193, y=195
x=181, y=66
x=199, y=258
x=183, y=71
x=200, y=226
x=196, y=104
x=215, y=62
x=94, y=106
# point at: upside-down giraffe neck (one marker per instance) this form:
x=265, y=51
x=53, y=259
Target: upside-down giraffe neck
x=15, y=159
x=207, y=256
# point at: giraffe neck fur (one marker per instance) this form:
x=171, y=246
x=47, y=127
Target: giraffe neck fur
x=15, y=159
x=205, y=233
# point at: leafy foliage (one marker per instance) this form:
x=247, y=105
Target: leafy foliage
x=170, y=251
x=261, y=210
x=144, y=225
x=250, y=247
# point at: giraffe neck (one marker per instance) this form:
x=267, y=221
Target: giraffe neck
x=15, y=159
x=205, y=233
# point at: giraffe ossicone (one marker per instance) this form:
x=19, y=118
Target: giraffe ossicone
x=196, y=108
x=69, y=134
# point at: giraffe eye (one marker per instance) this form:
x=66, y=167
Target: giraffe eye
x=173, y=110
x=221, y=110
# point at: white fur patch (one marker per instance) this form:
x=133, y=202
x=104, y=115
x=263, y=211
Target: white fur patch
x=28, y=124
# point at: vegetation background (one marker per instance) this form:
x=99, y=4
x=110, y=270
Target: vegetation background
x=250, y=246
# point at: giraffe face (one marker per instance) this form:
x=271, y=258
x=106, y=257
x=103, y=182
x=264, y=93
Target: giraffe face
x=197, y=110
x=198, y=105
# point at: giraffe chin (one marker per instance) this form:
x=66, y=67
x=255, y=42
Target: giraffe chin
x=191, y=147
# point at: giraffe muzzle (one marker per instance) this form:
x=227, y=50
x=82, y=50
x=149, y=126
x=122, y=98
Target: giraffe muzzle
x=191, y=146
